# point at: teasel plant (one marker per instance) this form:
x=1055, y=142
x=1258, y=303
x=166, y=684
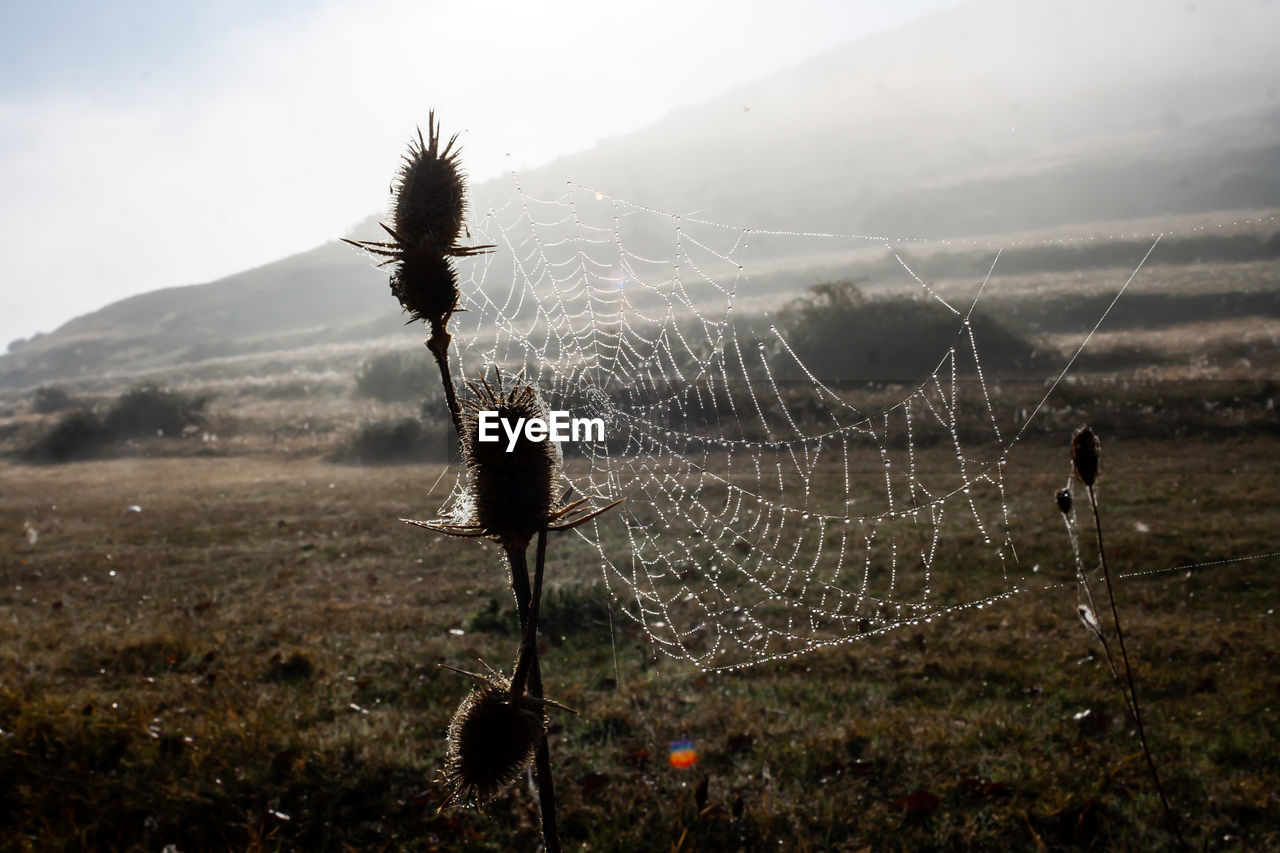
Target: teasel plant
x=511, y=495
x=1086, y=464
x=427, y=223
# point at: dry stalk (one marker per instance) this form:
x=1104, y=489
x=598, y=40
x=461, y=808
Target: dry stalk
x=1086, y=453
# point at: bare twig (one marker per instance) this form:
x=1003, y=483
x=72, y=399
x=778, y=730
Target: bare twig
x=1132, y=698
x=1082, y=579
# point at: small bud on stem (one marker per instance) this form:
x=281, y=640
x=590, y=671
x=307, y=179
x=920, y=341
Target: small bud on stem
x=1086, y=452
x=1064, y=500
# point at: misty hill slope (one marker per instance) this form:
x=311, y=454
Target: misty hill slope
x=991, y=117
x=326, y=295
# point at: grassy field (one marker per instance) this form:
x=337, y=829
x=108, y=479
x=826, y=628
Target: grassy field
x=227, y=641
x=249, y=661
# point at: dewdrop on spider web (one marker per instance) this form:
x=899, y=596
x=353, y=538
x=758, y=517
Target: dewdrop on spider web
x=1084, y=610
x=741, y=463
x=1089, y=619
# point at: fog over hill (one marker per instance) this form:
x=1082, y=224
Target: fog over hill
x=994, y=116
x=991, y=117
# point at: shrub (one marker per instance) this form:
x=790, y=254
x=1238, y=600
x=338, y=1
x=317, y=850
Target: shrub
x=841, y=335
x=77, y=435
x=566, y=612
x=298, y=666
x=491, y=620
x=397, y=440
x=148, y=410
x=50, y=399
x=572, y=610
x=395, y=376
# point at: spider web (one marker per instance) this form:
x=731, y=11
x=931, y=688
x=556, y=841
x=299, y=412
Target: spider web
x=767, y=513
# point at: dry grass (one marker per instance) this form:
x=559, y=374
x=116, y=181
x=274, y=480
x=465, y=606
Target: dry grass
x=250, y=662
x=1235, y=349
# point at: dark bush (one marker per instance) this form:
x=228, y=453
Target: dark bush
x=149, y=410
x=566, y=612
x=77, y=435
x=298, y=666
x=397, y=440
x=492, y=620
x=396, y=376
x=840, y=335
x=572, y=610
x=50, y=399
x=146, y=410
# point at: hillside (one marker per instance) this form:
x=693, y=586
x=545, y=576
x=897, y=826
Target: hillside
x=984, y=119
x=328, y=295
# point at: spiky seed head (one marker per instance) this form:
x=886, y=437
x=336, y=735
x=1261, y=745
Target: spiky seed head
x=1064, y=500
x=514, y=493
x=426, y=285
x=491, y=740
x=1086, y=452
x=430, y=194
x=428, y=204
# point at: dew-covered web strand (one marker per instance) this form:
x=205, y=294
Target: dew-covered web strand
x=1085, y=340
x=659, y=497
x=748, y=534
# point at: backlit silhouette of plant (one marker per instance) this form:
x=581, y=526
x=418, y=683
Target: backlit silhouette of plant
x=512, y=494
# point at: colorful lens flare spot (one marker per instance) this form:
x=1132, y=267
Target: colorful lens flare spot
x=683, y=755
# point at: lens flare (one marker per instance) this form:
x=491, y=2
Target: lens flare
x=683, y=755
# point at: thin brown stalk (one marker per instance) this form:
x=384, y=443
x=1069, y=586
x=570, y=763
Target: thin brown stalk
x=438, y=343
x=528, y=603
x=1083, y=581
x=1132, y=698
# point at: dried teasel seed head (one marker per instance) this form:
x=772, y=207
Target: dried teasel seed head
x=426, y=285
x=430, y=193
x=429, y=200
x=1064, y=501
x=514, y=492
x=491, y=740
x=1086, y=451
x=513, y=488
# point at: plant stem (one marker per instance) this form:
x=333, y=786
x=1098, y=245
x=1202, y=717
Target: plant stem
x=438, y=343
x=1083, y=580
x=1128, y=672
x=527, y=605
x=542, y=757
x=529, y=640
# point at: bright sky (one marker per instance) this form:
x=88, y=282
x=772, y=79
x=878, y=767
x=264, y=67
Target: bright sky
x=153, y=143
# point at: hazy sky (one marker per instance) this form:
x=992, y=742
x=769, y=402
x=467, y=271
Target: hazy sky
x=149, y=144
